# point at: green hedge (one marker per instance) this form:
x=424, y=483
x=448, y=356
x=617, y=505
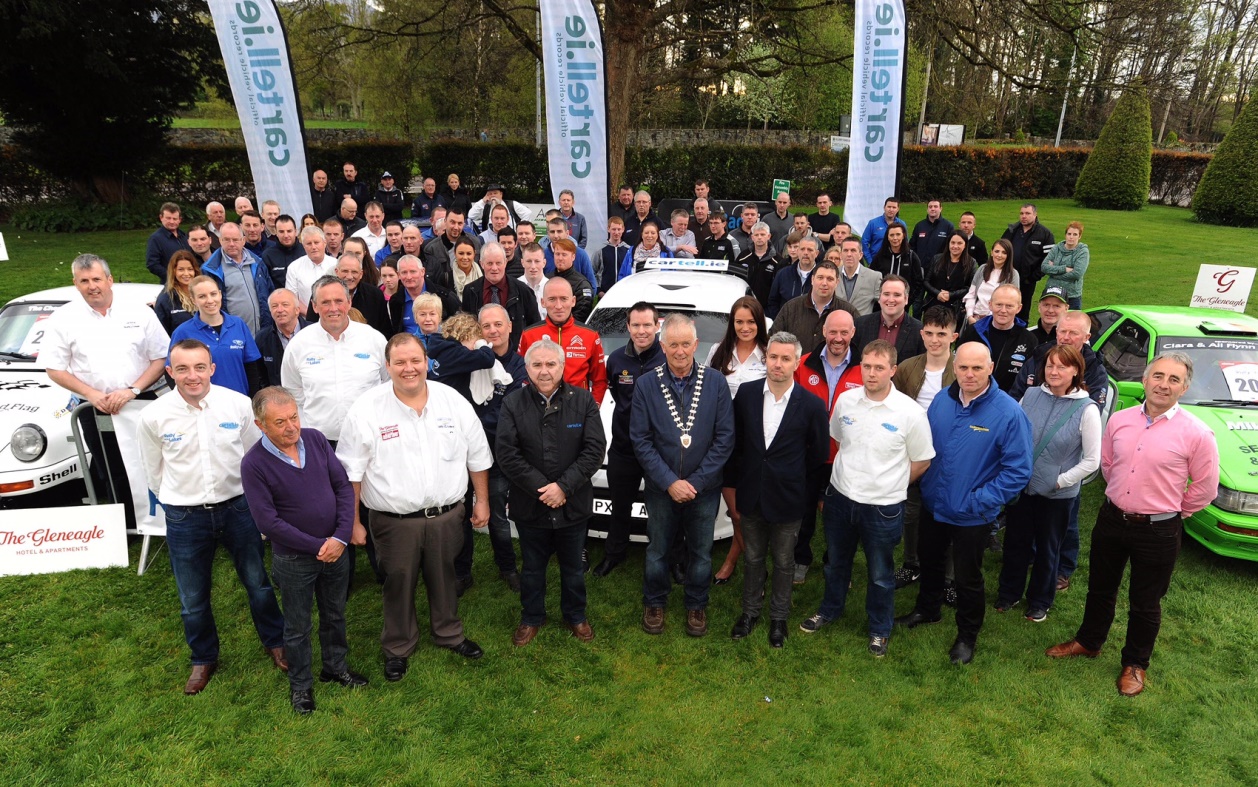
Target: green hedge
x=1117, y=175
x=194, y=175
x=1228, y=193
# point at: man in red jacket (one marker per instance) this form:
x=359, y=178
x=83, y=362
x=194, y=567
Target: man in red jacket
x=584, y=363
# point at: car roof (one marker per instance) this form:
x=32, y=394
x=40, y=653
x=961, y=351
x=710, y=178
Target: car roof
x=700, y=291
x=127, y=290
x=1185, y=320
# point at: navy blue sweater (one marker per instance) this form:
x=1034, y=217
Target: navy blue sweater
x=299, y=509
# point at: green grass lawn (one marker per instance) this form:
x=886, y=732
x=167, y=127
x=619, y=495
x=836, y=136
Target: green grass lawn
x=92, y=663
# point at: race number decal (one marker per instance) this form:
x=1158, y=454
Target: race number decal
x=1242, y=379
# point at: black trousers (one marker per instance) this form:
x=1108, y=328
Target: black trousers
x=968, y=545
x=808, y=522
x=104, y=449
x=624, y=477
x=1152, y=550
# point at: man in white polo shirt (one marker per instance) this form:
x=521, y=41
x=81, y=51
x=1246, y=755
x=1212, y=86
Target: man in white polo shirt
x=112, y=355
x=303, y=272
x=330, y=364
x=193, y=440
x=409, y=447
x=884, y=445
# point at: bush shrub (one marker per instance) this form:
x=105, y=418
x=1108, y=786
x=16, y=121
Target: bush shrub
x=517, y=166
x=1175, y=175
x=1116, y=175
x=1228, y=192
x=68, y=214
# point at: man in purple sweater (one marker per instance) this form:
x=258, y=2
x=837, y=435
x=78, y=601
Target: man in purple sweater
x=301, y=499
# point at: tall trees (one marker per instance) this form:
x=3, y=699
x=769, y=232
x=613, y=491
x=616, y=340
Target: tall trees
x=92, y=87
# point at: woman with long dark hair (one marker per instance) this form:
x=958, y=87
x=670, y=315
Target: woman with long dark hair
x=896, y=257
x=948, y=279
x=998, y=270
x=740, y=357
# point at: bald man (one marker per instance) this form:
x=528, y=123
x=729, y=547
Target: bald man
x=982, y=461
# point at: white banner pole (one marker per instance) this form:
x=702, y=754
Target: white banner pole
x=878, y=78
x=259, y=68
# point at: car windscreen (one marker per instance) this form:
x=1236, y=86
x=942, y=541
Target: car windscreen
x=1223, y=367
x=612, y=325
x=21, y=328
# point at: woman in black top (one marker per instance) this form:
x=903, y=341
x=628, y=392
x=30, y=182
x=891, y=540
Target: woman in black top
x=896, y=257
x=174, y=305
x=457, y=198
x=948, y=279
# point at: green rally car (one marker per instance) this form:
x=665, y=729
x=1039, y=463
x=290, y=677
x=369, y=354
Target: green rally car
x=1223, y=394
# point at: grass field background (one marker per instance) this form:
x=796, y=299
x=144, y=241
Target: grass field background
x=92, y=662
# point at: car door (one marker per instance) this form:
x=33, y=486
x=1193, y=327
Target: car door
x=1124, y=349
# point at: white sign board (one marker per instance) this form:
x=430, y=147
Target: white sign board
x=839, y=143
x=1223, y=287
x=684, y=264
x=48, y=540
x=4, y=253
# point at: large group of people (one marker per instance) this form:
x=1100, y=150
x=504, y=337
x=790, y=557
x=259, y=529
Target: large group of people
x=394, y=383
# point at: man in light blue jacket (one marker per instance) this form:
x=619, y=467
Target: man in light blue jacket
x=982, y=461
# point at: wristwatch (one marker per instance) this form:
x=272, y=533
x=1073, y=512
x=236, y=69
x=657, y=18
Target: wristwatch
x=135, y=391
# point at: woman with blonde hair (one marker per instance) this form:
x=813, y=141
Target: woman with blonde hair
x=174, y=306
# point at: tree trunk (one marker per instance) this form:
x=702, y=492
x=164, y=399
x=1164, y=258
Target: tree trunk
x=623, y=83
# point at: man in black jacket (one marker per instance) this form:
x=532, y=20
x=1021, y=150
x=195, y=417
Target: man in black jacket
x=891, y=322
x=1006, y=336
x=625, y=366
x=930, y=235
x=781, y=445
x=272, y=339
x=323, y=198
x=280, y=254
x=438, y=253
x=390, y=197
x=351, y=186
x=1031, y=242
x=495, y=287
x=411, y=284
x=550, y=443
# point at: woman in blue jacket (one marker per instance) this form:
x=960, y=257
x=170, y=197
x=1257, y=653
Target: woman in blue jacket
x=237, y=361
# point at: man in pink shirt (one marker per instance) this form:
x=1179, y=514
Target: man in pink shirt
x=1161, y=466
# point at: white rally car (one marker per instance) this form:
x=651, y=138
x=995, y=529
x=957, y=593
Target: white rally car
x=36, y=452
x=706, y=296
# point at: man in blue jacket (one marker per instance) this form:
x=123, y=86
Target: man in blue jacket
x=243, y=278
x=682, y=429
x=982, y=461
x=876, y=230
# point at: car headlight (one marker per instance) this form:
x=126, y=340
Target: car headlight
x=28, y=443
x=1236, y=501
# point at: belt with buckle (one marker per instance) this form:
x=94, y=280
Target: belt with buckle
x=426, y=513
x=1139, y=519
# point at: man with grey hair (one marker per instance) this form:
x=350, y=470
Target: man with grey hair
x=642, y=213
x=302, y=501
x=700, y=211
x=780, y=221
x=243, y=278
x=780, y=450
x=215, y=215
x=241, y=205
x=110, y=354
x=270, y=212
x=682, y=430
x=495, y=287
x=747, y=220
x=287, y=318
x=1161, y=466
x=550, y=442
x=304, y=271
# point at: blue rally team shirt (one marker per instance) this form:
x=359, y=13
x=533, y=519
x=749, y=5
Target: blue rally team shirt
x=231, y=348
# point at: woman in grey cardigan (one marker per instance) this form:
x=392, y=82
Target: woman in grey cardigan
x=1066, y=435
x=1065, y=264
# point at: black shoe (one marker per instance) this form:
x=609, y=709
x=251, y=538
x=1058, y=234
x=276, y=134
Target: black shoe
x=607, y=566
x=961, y=653
x=744, y=626
x=512, y=578
x=679, y=574
x=585, y=561
x=467, y=649
x=349, y=679
x=303, y=701
x=915, y=619
x=461, y=584
x=394, y=668
x=777, y=633
x=907, y=575
x=950, y=595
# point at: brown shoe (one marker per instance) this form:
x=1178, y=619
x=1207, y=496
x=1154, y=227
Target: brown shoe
x=653, y=620
x=523, y=635
x=200, y=678
x=696, y=623
x=1068, y=649
x=1063, y=584
x=277, y=656
x=582, y=631
x=1131, y=681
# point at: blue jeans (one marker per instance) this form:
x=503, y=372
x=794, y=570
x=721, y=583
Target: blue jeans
x=665, y=520
x=537, y=544
x=1075, y=303
x=879, y=529
x=304, y=580
x=192, y=535
x=1068, y=560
